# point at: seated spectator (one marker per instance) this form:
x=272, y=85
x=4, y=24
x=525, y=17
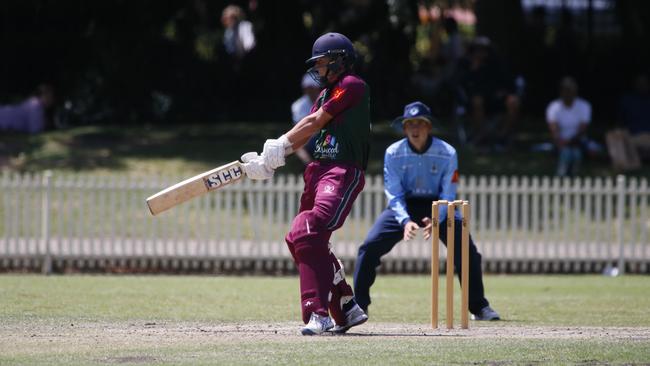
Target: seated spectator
x=301, y=108
x=30, y=116
x=630, y=143
x=238, y=37
x=635, y=115
x=489, y=94
x=567, y=118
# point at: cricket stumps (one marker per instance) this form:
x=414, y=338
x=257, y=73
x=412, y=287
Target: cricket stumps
x=435, y=262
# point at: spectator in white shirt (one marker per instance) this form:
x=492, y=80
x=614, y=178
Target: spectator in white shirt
x=567, y=118
x=238, y=37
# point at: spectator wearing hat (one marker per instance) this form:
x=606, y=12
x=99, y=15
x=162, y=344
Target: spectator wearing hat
x=300, y=108
x=418, y=169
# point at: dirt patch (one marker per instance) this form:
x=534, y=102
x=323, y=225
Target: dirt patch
x=284, y=330
x=91, y=334
x=129, y=359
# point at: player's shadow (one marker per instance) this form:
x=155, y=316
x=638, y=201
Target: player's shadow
x=440, y=332
x=405, y=334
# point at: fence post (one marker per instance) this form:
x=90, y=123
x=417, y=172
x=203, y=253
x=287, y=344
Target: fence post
x=620, y=221
x=45, y=222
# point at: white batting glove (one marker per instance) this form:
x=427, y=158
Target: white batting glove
x=274, y=151
x=255, y=167
x=249, y=156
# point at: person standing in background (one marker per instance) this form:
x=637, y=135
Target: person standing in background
x=300, y=108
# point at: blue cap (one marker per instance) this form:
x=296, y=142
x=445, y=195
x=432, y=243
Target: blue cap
x=415, y=110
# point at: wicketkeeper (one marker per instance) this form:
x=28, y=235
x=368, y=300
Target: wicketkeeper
x=418, y=169
x=341, y=116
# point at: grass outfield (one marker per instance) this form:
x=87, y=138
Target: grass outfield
x=98, y=320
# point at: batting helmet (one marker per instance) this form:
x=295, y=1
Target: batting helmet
x=338, y=49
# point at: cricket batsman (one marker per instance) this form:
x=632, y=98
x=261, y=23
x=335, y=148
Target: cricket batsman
x=341, y=117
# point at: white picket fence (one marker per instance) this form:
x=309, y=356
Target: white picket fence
x=518, y=224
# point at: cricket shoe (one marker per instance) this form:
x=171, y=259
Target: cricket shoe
x=487, y=313
x=355, y=316
x=318, y=324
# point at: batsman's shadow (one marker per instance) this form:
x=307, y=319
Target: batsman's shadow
x=401, y=334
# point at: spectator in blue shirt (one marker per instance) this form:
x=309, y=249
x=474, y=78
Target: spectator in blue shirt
x=418, y=169
x=301, y=108
x=29, y=116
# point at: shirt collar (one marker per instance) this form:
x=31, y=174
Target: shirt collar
x=426, y=147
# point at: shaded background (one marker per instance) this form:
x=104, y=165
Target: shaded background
x=130, y=62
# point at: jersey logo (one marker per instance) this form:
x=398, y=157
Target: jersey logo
x=329, y=140
x=337, y=93
x=455, y=178
x=328, y=189
x=328, y=148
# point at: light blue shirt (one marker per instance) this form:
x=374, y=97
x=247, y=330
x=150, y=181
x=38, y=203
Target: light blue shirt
x=28, y=116
x=408, y=174
x=301, y=108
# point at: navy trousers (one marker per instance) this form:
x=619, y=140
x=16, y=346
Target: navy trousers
x=387, y=232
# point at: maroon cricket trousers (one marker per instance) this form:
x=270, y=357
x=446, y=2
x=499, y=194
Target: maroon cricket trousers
x=330, y=191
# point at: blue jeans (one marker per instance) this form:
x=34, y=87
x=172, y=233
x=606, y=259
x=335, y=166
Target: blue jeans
x=569, y=161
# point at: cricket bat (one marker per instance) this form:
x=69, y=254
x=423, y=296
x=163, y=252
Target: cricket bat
x=199, y=184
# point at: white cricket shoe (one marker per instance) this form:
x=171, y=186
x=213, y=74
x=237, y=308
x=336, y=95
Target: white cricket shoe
x=355, y=316
x=318, y=324
x=487, y=313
